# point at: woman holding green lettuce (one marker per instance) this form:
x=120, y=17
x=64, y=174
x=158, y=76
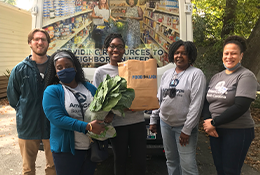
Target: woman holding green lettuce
x=131, y=129
x=69, y=143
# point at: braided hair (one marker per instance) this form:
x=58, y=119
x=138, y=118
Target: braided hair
x=239, y=41
x=110, y=38
x=190, y=49
x=51, y=76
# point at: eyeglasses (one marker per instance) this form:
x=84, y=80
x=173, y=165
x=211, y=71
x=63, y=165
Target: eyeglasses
x=170, y=92
x=119, y=47
x=38, y=39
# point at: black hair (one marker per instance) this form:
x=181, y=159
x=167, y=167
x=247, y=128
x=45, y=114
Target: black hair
x=238, y=40
x=190, y=49
x=135, y=2
x=51, y=76
x=110, y=38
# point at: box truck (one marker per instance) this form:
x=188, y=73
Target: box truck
x=71, y=26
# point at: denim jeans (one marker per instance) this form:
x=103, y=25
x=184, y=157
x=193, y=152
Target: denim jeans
x=78, y=164
x=230, y=148
x=181, y=160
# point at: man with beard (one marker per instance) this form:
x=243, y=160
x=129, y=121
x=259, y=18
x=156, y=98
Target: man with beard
x=25, y=92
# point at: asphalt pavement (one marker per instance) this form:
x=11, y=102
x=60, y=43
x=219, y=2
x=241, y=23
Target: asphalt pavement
x=11, y=161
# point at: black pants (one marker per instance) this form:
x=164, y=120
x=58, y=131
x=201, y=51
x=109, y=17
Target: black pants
x=78, y=164
x=230, y=148
x=134, y=137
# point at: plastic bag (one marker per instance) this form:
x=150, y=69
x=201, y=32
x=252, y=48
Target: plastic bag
x=109, y=132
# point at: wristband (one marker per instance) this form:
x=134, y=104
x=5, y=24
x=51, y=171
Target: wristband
x=90, y=127
x=213, y=122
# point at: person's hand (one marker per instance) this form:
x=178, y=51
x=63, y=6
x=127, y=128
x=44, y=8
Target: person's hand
x=109, y=117
x=153, y=129
x=105, y=20
x=208, y=126
x=184, y=139
x=100, y=17
x=213, y=133
x=97, y=126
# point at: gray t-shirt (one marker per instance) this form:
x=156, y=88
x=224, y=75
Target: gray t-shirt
x=223, y=88
x=74, y=111
x=130, y=117
x=185, y=108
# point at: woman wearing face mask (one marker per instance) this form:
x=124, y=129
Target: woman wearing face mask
x=70, y=145
x=181, y=95
x=131, y=129
x=226, y=112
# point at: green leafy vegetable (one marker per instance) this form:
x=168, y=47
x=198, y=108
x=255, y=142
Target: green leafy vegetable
x=112, y=93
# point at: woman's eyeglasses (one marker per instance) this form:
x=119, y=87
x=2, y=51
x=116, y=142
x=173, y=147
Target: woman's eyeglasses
x=170, y=92
x=119, y=47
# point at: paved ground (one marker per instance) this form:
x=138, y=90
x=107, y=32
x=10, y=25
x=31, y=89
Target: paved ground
x=11, y=162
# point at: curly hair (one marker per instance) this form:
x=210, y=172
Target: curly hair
x=51, y=76
x=110, y=38
x=189, y=46
x=238, y=40
x=135, y=2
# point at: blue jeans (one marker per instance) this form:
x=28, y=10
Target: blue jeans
x=78, y=164
x=181, y=160
x=230, y=148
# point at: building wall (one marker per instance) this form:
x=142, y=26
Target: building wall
x=15, y=24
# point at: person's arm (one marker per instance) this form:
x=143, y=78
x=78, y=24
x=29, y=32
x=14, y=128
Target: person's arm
x=13, y=89
x=56, y=113
x=155, y=113
x=97, y=79
x=205, y=111
x=95, y=16
x=197, y=97
x=235, y=111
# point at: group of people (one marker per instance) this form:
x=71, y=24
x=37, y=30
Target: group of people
x=101, y=15
x=48, y=92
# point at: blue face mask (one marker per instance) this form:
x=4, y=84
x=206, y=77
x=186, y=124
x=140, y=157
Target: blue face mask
x=233, y=68
x=67, y=75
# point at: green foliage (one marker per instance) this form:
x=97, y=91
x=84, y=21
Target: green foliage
x=12, y=2
x=208, y=16
x=112, y=93
x=7, y=73
x=256, y=103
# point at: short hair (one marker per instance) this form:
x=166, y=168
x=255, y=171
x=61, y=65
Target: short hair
x=110, y=38
x=238, y=40
x=189, y=46
x=51, y=77
x=135, y=2
x=32, y=32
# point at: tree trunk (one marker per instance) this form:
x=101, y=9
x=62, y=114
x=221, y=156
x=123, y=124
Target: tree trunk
x=229, y=18
x=251, y=58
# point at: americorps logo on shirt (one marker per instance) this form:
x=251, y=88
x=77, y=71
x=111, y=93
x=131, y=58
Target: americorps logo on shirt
x=82, y=99
x=220, y=91
x=220, y=87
